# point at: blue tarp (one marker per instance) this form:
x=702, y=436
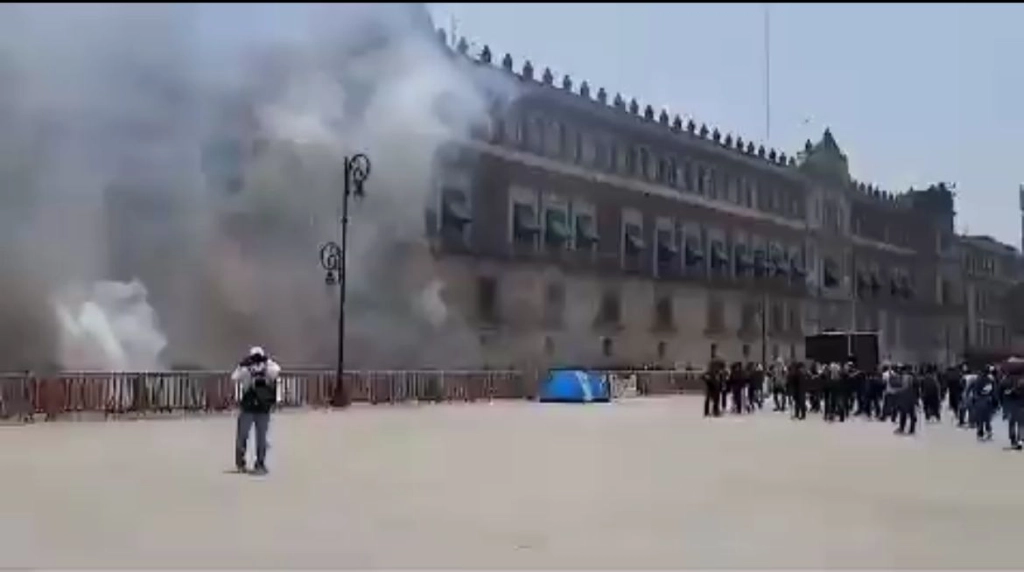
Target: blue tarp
x=574, y=386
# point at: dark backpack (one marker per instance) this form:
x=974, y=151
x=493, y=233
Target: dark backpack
x=261, y=396
x=986, y=387
x=897, y=382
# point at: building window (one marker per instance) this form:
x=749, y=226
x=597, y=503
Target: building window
x=577, y=149
x=715, y=315
x=666, y=253
x=631, y=161
x=645, y=163
x=586, y=232
x=746, y=351
x=720, y=257
x=701, y=173
x=524, y=224
x=794, y=319
x=597, y=154
x=714, y=351
x=633, y=241
x=750, y=314
x=662, y=347
x=554, y=305
x=613, y=158
x=606, y=347
x=556, y=229
x=487, y=299
x=673, y=173
x=537, y=135
x=662, y=176
x=663, y=314
x=610, y=310
x=776, y=320
x=455, y=213
x=712, y=184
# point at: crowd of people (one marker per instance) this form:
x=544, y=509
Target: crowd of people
x=892, y=393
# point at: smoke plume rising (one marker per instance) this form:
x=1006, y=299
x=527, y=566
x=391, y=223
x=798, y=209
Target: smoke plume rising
x=162, y=199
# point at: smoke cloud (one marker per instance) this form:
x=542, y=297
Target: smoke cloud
x=163, y=199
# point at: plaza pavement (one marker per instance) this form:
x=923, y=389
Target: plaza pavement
x=641, y=483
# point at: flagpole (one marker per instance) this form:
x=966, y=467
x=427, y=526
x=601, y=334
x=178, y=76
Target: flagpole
x=767, y=74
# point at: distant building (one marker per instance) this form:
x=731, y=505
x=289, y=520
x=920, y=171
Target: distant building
x=599, y=229
x=991, y=271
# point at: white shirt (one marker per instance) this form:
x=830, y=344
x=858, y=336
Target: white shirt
x=887, y=379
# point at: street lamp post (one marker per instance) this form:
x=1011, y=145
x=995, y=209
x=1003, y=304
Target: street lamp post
x=333, y=258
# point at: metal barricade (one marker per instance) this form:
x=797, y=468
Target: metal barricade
x=625, y=384
x=17, y=396
x=24, y=395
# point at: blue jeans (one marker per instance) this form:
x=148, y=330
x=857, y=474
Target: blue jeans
x=246, y=421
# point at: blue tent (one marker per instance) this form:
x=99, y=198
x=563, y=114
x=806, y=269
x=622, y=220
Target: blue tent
x=574, y=386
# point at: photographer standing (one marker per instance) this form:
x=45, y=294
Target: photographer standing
x=256, y=376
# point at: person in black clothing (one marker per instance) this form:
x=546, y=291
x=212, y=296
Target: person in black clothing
x=737, y=384
x=723, y=379
x=1013, y=404
x=755, y=386
x=983, y=403
x=1004, y=383
x=256, y=377
x=906, y=401
x=815, y=387
x=862, y=393
x=876, y=389
x=834, y=384
x=713, y=389
x=796, y=383
x=931, y=395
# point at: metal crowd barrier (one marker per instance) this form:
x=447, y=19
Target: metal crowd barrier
x=650, y=383
x=25, y=397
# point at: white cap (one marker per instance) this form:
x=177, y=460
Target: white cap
x=257, y=351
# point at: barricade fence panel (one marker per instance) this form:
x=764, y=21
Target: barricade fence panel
x=26, y=396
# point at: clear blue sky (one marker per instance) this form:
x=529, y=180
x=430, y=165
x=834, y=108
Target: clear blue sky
x=913, y=93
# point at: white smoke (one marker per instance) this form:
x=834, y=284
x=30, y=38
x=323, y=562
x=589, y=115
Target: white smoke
x=431, y=304
x=108, y=115
x=109, y=326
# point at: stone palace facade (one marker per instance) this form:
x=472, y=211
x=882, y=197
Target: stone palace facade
x=584, y=228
